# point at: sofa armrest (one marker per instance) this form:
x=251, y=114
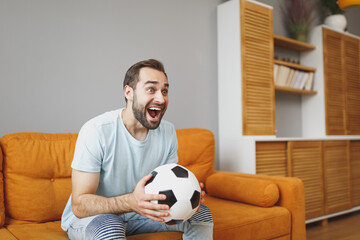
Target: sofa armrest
x=262, y=193
x=292, y=197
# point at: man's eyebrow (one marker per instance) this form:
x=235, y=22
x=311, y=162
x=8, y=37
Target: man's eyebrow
x=155, y=83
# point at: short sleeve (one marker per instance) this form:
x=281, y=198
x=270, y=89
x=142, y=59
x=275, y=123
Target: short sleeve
x=173, y=157
x=88, y=151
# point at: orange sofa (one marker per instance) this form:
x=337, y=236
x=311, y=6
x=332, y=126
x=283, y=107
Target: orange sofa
x=35, y=183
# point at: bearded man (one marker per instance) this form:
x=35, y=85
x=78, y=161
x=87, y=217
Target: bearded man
x=114, y=154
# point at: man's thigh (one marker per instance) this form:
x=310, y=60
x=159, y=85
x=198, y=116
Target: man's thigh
x=97, y=227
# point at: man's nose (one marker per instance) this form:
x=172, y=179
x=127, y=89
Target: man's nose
x=159, y=97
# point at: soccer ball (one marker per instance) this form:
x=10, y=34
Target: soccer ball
x=181, y=188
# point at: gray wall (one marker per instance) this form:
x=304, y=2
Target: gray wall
x=63, y=62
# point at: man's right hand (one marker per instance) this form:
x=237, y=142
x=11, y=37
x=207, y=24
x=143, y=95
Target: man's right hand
x=140, y=202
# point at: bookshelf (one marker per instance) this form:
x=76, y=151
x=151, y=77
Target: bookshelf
x=295, y=66
x=292, y=44
x=329, y=165
x=295, y=91
x=297, y=46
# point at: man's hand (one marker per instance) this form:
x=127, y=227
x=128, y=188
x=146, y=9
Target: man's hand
x=140, y=202
x=202, y=200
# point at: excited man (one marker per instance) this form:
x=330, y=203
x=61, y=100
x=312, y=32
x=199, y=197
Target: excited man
x=114, y=154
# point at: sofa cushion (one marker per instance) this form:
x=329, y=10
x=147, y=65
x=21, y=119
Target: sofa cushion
x=254, y=191
x=43, y=231
x=234, y=220
x=196, y=151
x=37, y=174
x=6, y=235
x=2, y=206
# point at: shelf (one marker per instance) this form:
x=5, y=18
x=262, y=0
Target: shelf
x=295, y=65
x=292, y=44
x=295, y=90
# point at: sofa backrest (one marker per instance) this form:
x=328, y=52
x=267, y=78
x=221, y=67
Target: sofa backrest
x=196, y=151
x=2, y=207
x=37, y=172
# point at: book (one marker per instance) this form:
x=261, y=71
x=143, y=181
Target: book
x=309, y=83
x=282, y=75
x=276, y=68
x=290, y=77
x=303, y=80
x=296, y=82
x=291, y=82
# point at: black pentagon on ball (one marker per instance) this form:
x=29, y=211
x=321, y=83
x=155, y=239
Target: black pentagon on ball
x=195, y=199
x=170, y=198
x=153, y=173
x=180, y=172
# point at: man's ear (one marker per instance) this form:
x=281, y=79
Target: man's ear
x=128, y=92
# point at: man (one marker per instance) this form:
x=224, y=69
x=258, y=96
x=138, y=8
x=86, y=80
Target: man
x=114, y=154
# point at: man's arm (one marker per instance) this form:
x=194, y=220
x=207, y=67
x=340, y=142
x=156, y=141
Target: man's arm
x=86, y=203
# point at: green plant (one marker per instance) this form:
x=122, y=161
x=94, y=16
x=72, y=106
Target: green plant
x=298, y=16
x=331, y=7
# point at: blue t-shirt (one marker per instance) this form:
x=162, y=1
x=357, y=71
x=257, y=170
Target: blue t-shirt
x=104, y=145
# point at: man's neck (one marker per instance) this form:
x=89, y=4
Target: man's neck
x=134, y=127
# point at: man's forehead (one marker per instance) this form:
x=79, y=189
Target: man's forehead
x=155, y=82
x=152, y=76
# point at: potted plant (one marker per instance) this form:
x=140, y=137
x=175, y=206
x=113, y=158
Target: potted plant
x=298, y=16
x=334, y=16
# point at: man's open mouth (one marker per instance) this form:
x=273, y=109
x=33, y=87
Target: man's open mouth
x=154, y=112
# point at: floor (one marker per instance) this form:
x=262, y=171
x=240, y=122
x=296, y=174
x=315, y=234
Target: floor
x=346, y=227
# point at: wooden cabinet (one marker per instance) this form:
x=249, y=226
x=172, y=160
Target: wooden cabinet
x=351, y=71
x=271, y=158
x=305, y=162
x=342, y=86
x=257, y=69
x=246, y=98
x=355, y=172
x=329, y=169
x=336, y=176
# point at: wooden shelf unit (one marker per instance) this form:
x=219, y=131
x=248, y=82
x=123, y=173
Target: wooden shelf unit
x=298, y=46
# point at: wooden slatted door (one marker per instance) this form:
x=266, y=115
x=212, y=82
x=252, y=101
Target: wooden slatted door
x=334, y=86
x=305, y=162
x=352, y=82
x=257, y=50
x=355, y=172
x=271, y=158
x=336, y=176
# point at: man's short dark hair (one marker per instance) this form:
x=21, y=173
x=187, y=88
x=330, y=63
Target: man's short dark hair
x=132, y=74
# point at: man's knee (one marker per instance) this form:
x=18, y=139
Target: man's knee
x=106, y=226
x=203, y=216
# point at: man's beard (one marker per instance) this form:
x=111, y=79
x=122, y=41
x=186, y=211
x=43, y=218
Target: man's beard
x=140, y=114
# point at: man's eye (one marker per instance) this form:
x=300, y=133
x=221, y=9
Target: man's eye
x=164, y=92
x=150, y=90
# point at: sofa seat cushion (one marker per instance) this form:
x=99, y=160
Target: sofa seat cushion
x=234, y=220
x=6, y=235
x=44, y=231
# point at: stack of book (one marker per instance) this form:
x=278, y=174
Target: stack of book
x=289, y=77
